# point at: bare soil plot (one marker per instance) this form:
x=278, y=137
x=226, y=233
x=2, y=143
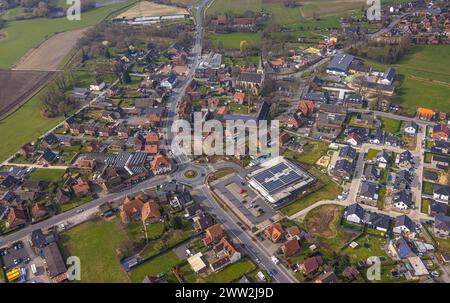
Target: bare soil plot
x=16, y=86
x=151, y=9
x=49, y=54
x=322, y=221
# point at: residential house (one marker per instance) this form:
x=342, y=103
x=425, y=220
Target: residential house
x=441, y=193
x=400, y=248
x=425, y=114
x=440, y=162
x=327, y=277
x=39, y=210
x=353, y=139
x=382, y=158
x=225, y=254
x=348, y=152
x=405, y=160
x=150, y=212
x=371, y=173
x=17, y=217
x=290, y=247
x=85, y=165
x=275, y=232
x=294, y=122
x=306, y=107
x=213, y=234
x=343, y=168
x=54, y=262
x=81, y=188
x=411, y=128
x=160, y=164
x=47, y=157
x=403, y=200
x=354, y=213
x=310, y=265
x=404, y=225
x=368, y=192
x=440, y=132
x=436, y=207
x=239, y=97
x=442, y=226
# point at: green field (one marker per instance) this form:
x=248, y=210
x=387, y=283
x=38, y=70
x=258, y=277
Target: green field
x=232, y=41
x=424, y=79
x=234, y=6
x=231, y=272
x=390, y=125
x=328, y=191
x=312, y=152
x=95, y=243
x=52, y=175
x=161, y=264
x=24, y=34
x=22, y=126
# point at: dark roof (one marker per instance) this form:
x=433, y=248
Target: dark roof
x=438, y=207
x=39, y=239
x=51, y=139
x=54, y=260
x=403, y=196
x=368, y=189
x=348, y=152
x=344, y=165
x=442, y=222
x=406, y=221
x=263, y=111
x=317, y=96
x=48, y=155
x=250, y=77
x=9, y=182
x=389, y=74
x=355, y=209
x=406, y=156
x=441, y=190
x=340, y=62
x=377, y=220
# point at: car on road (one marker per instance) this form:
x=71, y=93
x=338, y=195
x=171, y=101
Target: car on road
x=18, y=245
x=258, y=261
x=275, y=260
x=79, y=211
x=4, y=252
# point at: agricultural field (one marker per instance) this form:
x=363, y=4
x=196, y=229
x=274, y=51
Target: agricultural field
x=19, y=40
x=234, y=6
x=151, y=9
x=232, y=41
x=95, y=243
x=49, y=54
x=29, y=121
x=424, y=80
x=17, y=85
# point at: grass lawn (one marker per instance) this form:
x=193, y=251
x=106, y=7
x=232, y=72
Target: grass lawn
x=75, y=203
x=381, y=195
x=232, y=272
x=328, y=191
x=238, y=108
x=424, y=80
x=424, y=206
x=312, y=152
x=232, y=41
x=19, y=39
x=390, y=125
x=161, y=264
x=428, y=188
x=95, y=243
x=427, y=158
x=444, y=244
x=234, y=6
x=373, y=247
x=222, y=173
x=372, y=153
x=52, y=175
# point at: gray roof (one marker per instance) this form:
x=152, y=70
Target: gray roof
x=406, y=221
x=348, y=152
x=438, y=207
x=442, y=222
x=389, y=74
x=368, y=189
x=250, y=77
x=355, y=209
x=344, y=165
x=403, y=196
x=340, y=62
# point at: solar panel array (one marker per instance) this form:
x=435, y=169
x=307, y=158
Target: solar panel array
x=277, y=177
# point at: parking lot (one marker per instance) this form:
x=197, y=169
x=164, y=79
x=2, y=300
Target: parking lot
x=235, y=191
x=14, y=255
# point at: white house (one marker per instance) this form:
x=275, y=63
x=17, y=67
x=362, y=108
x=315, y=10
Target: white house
x=441, y=193
x=404, y=224
x=411, y=128
x=354, y=213
x=97, y=86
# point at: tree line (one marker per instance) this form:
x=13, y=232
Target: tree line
x=382, y=51
x=54, y=98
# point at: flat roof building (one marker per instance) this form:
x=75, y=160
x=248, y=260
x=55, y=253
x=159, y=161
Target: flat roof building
x=340, y=64
x=279, y=179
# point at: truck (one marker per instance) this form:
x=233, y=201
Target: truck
x=275, y=260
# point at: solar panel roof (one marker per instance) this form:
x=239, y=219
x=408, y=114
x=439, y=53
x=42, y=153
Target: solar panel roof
x=277, y=176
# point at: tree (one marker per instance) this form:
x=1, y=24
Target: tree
x=176, y=222
x=243, y=46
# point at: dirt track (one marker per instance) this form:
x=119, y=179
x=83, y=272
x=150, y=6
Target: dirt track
x=48, y=55
x=16, y=86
